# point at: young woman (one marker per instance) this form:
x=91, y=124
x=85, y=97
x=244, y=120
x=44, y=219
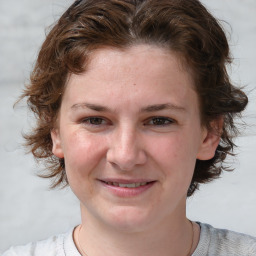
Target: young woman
x=134, y=109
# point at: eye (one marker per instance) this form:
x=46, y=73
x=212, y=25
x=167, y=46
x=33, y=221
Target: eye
x=94, y=121
x=160, y=121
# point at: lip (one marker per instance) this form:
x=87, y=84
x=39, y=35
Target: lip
x=127, y=192
x=126, y=181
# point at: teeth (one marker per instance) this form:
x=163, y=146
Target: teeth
x=131, y=185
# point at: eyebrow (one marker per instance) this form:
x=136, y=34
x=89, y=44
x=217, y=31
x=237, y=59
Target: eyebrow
x=95, y=107
x=158, y=107
x=149, y=108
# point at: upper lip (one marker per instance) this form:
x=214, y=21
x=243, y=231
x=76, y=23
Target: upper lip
x=126, y=181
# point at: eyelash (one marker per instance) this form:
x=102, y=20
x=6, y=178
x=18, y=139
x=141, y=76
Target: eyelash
x=154, y=121
x=91, y=120
x=164, y=121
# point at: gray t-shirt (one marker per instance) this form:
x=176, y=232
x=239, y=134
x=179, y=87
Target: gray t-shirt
x=213, y=242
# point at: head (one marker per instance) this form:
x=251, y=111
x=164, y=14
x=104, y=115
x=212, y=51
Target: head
x=183, y=27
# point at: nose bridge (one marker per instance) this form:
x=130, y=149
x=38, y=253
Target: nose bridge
x=128, y=140
x=126, y=149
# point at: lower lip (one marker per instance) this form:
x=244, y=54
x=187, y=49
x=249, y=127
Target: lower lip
x=128, y=192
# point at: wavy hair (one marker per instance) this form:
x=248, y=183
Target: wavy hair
x=183, y=26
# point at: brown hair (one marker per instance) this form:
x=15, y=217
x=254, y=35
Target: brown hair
x=183, y=26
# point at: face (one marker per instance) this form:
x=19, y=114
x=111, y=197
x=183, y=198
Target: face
x=130, y=133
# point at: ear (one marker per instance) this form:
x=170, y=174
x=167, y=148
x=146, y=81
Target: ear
x=210, y=140
x=56, y=143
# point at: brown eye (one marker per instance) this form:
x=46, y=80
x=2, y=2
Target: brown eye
x=161, y=121
x=94, y=120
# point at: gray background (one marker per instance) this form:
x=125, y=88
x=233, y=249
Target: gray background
x=29, y=211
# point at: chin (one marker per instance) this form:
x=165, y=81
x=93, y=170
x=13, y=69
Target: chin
x=129, y=219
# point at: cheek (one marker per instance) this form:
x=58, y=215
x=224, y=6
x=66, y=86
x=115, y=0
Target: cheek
x=173, y=149
x=84, y=158
x=176, y=156
x=82, y=153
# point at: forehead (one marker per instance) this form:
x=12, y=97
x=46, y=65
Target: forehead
x=136, y=57
x=136, y=74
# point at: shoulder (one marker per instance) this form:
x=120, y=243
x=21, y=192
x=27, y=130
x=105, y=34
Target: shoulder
x=215, y=241
x=53, y=246
x=46, y=247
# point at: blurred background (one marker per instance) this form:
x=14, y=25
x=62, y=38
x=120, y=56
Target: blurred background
x=29, y=210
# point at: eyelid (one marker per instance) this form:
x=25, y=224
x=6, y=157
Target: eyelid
x=87, y=120
x=163, y=118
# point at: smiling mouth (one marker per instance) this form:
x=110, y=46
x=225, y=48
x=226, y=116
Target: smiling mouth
x=127, y=185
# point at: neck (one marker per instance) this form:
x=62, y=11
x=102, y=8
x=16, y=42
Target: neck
x=96, y=238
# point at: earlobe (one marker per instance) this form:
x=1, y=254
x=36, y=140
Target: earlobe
x=56, y=143
x=210, y=141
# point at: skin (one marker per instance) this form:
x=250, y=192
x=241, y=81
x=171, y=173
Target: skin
x=133, y=115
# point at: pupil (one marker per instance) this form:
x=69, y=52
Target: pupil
x=159, y=121
x=96, y=120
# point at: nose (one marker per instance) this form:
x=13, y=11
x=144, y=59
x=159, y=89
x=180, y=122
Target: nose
x=126, y=149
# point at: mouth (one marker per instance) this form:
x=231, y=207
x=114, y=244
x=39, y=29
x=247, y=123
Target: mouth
x=127, y=185
x=127, y=188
